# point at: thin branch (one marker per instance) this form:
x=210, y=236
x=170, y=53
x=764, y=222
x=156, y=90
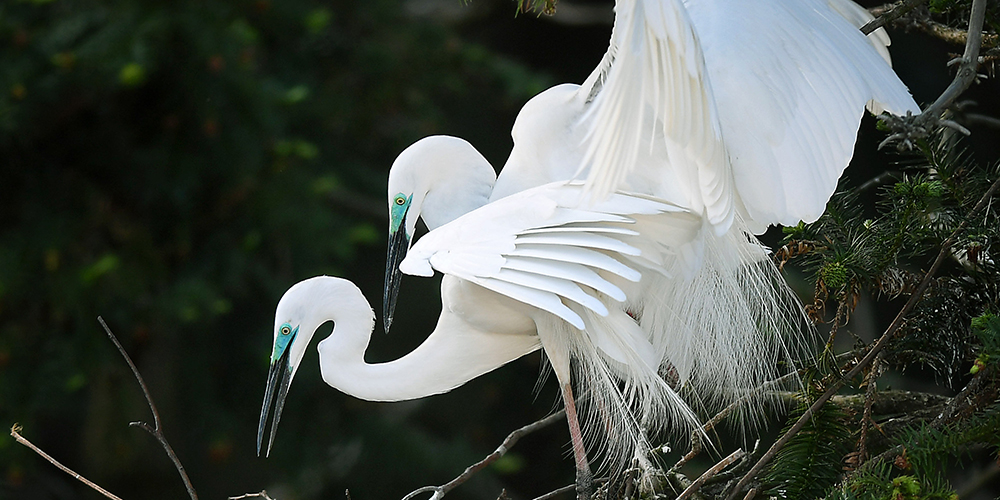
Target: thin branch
x=157, y=430
x=909, y=128
x=512, y=438
x=715, y=469
x=15, y=431
x=969, y=62
x=262, y=494
x=890, y=332
x=891, y=15
x=566, y=489
x=696, y=446
x=866, y=415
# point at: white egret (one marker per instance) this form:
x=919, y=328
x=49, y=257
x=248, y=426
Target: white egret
x=734, y=113
x=720, y=106
x=535, y=269
x=737, y=110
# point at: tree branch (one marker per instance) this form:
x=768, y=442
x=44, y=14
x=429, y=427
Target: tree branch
x=715, y=469
x=890, y=14
x=15, y=431
x=156, y=430
x=512, y=438
x=909, y=128
x=890, y=332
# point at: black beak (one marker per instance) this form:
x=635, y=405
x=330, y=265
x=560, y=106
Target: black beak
x=279, y=370
x=399, y=243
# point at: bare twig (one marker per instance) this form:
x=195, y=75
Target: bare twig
x=866, y=415
x=908, y=128
x=512, y=438
x=566, y=489
x=262, y=494
x=715, y=469
x=890, y=15
x=156, y=430
x=15, y=431
x=696, y=446
x=890, y=332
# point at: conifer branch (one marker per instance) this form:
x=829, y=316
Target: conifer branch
x=874, y=351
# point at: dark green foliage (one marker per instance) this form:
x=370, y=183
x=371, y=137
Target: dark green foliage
x=851, y=252
x=175, y=166
x=919, y=470
x=887, y=252
x=812, y=461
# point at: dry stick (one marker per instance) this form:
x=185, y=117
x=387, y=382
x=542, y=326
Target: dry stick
x=966, y=74
x=566, y=489
x=512, y=438
x=696, y=446
x=725, y=462
x=890, y=15
x=16, y=432
x=263, y=494
x=866, y=415
x=875, y=350
x=156, y=431
x=969, y=62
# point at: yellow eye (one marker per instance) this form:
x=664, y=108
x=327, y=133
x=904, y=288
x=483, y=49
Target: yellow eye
x=400, y=200
x=285, y=330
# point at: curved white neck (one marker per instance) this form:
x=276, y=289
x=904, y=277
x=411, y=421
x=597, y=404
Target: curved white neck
x=453, y=354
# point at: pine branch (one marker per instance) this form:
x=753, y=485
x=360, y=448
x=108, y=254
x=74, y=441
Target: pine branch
x=880, y=344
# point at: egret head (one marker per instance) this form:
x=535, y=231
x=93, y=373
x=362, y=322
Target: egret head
x=295, y=322
x=437, y=179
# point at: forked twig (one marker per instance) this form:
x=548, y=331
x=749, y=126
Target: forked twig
x=715, y=469
x=890, y=332
x=262, y=494
x=156, y=430
x=912, y=127
x=15, y=431
x=696, y=445
x=508, y=442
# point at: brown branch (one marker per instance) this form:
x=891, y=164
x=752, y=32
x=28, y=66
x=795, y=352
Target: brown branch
x=512, y=438
x=715, y=469
x=262, y=494
x=156, y=430
x=696, y=436
x=15, y=431
x=890, y=332
x=890, y=14
x=566, y=489
x=866, y=415
x=908, y=129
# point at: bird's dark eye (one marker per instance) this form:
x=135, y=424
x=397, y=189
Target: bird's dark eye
x=285, y=330
x=400, y=200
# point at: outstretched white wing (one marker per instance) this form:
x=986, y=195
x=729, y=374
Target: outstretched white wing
x=755, y=99
x=651, y=92
x=541, y=248
x=791, y=80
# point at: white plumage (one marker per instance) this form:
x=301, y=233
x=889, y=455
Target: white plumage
x=619, y=233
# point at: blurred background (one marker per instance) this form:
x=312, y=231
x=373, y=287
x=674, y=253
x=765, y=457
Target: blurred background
x=175, y=165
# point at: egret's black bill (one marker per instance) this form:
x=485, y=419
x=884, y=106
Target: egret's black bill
x=279, y=376
x=399, y=243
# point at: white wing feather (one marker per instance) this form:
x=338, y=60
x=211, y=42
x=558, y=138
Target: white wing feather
x=540, y=248
x=791, y=97
x=651, y=89
x=732, y=110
